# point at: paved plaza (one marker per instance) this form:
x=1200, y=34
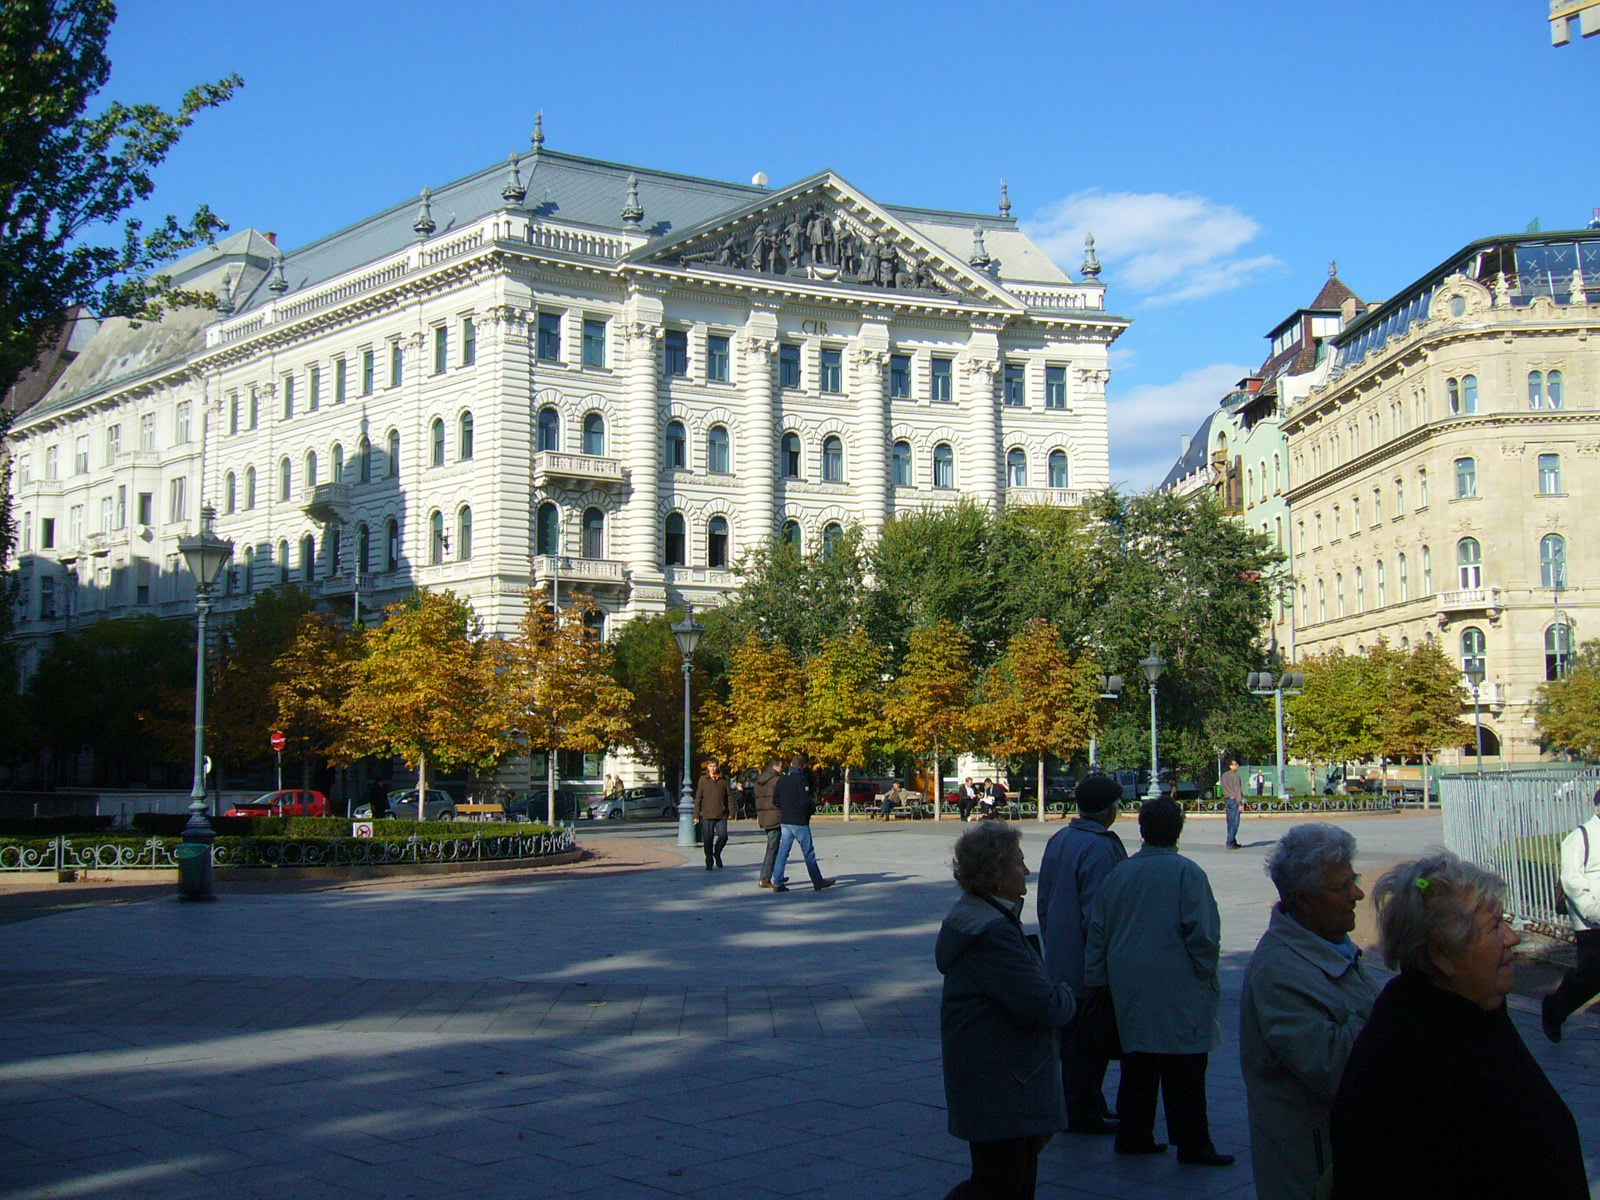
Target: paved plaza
x=662, y=1032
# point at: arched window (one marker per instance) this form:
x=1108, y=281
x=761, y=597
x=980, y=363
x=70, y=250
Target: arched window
x=283, y=562
x=391, y=545
x=1553, y=389
x=1402, y=578
x=1466, y=478
x=335, y=543
x=594, y=435
x=308, y=558
x=436, y=442
x=1469, y=559
x=1469, y=393
x=338, y=463
x=675, y=542
x=249, y=488
x=1472, y=651
x=677, y=447
x=1452, y=391
x=832, y=459
x=1382, y=585
x=832, y=535
x=1338, y=593
x=1249, y=484
x=549, y=429
x=1553, y=561
x=464, y=437
x=311, y=469
x=594, y=533
x=1535, y=389
x=547, y=530
x=1016, y=467
x=1427, y=571
x=436, y=538
x=394, y=454
x=717, y=542
x=790, y=535
x=363, y=549
x=364, y=460
x=1322, y=601
x=900, y=461
x=1558, y=651
x=944, y=466
x=285, y=477
x=247, y=576
x=229, y=487
x=789, y=455
x=1361, y=591
x=1305, y=605
x=1422, y=487
x=1058, y=468
x=464, y=534
x=718, y=459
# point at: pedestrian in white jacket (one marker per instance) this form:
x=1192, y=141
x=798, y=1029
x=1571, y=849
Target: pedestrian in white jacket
x=1580, y=880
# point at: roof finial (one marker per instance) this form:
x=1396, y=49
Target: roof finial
x=1005, y=199
x=538, y=131
x=1091, y=263
x=980, y=253
x=278, y=283
x=632, y=211
x=513, y=192
x=1333, y=267
x=424, y=224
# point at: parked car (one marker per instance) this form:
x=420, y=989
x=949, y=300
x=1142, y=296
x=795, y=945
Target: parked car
x=293, y=802
x=636, y=803
x=402, y=806
x=864, y=793
x=534, y=805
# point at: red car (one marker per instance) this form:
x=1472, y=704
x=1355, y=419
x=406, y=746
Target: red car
x=864, y=793
x=289, y=803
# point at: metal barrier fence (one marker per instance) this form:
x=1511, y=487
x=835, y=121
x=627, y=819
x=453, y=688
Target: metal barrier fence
x=1512, y=824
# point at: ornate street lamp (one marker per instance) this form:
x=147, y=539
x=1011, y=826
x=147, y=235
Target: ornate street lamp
x=1269, y=683
x=687, y=632
x=1110, y=689
x=205, y=554
x=1153, y=666
x=1474, y=673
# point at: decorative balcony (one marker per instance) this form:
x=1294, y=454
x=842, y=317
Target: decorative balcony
x=1466, y=602
x=97, y=544
x=551, y=467
x=344, y=584
x=329, y=502
x=592, y=572
x=1019, y=497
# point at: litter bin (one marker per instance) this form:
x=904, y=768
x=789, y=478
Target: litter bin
x=194, y=871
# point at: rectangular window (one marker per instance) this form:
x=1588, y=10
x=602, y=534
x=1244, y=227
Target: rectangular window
x=233, y=412
x=368, y=371
x=80, y=455
x=180, y=423
x=717, y=358
x=899, y=376
x=147, y=436
x=469, y=341
x=1014, y=376
x=788, y=366
x=52, y=461
x=313, y=388
x=397, y=363
x=113, y=443
x=47, y=533
x=675, y=353
x=340, y=380
x=141, y=576
x=255, y=408
x=1055, y=387
x=549, y=337
x=942, y=380
x=75, y=525
x=594, y=342
x=441, y=349
x=177, y=497
x=47, y=597
x=832, y=370
x=147, y=508
x=1549, y=474
x=288, y=396
x=107, y=514
x=27, y=532
x=121, y=515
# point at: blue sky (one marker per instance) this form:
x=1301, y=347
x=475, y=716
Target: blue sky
x=1221, y=154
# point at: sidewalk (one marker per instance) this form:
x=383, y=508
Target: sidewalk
x=588, y=1033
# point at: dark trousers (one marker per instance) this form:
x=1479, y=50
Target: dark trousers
x=1181, y=1080
x=1582, y=983
x=1004, y=1170
x=1083, y=1073
x=773, y=837
x=714, y=835
x=1232, y=808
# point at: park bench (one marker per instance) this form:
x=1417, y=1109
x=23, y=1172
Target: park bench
x=481, y=812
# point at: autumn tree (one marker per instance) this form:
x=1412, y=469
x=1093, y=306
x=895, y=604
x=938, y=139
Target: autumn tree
x=930, y=701
x=1038, y=700
x=1339, y=715
x=844, y=722
x=311, y=682
x=763, y=716
x=66, y=177
x=1421, y=712
x=241, y=711
x=426, y=687
x=646, y=661
x=560, y=691
x=1568, y=709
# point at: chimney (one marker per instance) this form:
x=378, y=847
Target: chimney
x=272, y=238
x=1349, y=310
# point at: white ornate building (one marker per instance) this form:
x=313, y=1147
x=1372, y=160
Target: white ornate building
x=560, y=369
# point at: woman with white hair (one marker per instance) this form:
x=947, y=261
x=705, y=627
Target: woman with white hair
x=1440, y=1097
x=1305, y=999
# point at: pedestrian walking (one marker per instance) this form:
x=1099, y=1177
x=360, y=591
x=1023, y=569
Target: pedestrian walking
x=795, y=806
x=1232, y=798
x=1580, y=883
x=998, y=1017
x=1155, y=939
x=1075, y=865
x=713, y=804
x=768, y=817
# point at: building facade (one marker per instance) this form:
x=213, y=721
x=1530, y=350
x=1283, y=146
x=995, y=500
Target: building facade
x=560, y=374
x=1438, y=476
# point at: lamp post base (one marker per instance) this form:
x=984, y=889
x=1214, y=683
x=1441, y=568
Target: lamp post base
x=686, y=816
x=194, y=857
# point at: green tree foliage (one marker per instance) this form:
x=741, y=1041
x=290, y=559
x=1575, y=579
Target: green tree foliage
x=312, y=678
x=1422, y=695
x=763, y=716
x=65, y=176
x=1038, y=700
x=932, y=565
x=1339, y=715
x=844, y=722
x=647, y=662
x=798, y=599
x=241, y=710
x=929, y=706
x=427, y=687
x=1568, y=709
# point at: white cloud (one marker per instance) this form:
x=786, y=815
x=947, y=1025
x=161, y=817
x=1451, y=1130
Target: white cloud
x=1167, y=247
x=1148, y=422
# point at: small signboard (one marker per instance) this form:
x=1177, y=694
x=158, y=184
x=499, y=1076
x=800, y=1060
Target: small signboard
x=361, y=829
x=278, y=740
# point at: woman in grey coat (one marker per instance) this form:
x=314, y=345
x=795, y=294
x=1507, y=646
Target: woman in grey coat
x=998, y=1020
x=1305, y=999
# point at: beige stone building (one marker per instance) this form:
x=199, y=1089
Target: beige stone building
x=1439, y=478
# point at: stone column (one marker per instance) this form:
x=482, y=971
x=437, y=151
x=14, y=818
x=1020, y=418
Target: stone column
x=980, y=458
x=755, y=453
x=1090, y=429
x=503, y=451
x=869, y=463
x=636, y=543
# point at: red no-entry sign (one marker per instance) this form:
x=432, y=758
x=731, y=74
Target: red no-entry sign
x=278, y=740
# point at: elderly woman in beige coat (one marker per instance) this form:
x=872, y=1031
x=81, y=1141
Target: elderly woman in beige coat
x=1306, y=997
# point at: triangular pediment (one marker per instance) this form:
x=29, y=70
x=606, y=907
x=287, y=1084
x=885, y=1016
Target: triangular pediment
x=824, y=231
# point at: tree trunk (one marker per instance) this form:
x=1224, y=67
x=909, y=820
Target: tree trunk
x=422, y=785
x=846, y=793
x=938, y=784
x=1041, y=785
x=550, y=779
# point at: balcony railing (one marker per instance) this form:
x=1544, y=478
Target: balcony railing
x=549, y=466
x=580, y=570
x=328, y=502
x=1469, y=600
x=1056, y=497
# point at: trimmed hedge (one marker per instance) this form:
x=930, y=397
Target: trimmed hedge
x=156, y=824
x=37, y=827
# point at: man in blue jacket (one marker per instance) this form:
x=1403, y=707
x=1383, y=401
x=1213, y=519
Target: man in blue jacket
x=1075, y=862
x=795, y=807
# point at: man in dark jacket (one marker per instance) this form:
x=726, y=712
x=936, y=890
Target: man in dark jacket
x=712, y=806
x=795, y=807
x=767, y=816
